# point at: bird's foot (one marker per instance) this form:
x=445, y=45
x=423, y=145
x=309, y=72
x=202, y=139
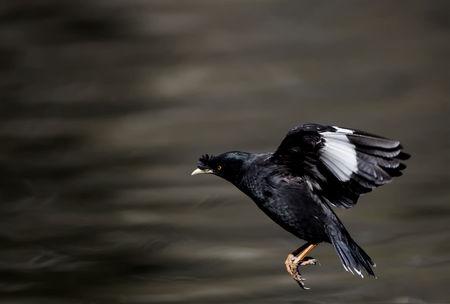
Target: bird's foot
x=309, y=261
x=292, y=263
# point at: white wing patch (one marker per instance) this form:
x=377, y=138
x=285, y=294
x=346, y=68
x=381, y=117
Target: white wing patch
x=339, y=154
x=342, y=130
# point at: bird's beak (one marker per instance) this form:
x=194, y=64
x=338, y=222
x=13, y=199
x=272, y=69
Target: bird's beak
x=201, y=171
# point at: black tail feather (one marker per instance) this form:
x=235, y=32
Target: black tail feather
x=353, y=258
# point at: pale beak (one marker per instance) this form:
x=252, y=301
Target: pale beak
x=201, y=171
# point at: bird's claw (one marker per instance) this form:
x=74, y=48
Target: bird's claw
x=309, y=261
x=302, y=285
x=292, y=263
x=300, y=280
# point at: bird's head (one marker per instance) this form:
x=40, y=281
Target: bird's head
x=227, y=165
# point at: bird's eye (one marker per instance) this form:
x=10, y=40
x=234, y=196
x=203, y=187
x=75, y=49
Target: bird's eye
x=219, y=167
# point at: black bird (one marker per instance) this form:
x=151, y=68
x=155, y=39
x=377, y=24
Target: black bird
x=315, y=168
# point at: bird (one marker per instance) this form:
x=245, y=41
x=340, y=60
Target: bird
x=314, y=169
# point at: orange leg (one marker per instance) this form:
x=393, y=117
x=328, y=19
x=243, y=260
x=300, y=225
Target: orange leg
x=298, y=258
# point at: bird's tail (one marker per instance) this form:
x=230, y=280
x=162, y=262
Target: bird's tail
x=353, y=258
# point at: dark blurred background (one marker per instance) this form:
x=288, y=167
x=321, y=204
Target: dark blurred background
x=105, y=107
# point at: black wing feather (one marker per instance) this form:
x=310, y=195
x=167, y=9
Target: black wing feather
x=340, y=164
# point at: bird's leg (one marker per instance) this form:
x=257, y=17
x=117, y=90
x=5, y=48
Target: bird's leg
x=298, y=258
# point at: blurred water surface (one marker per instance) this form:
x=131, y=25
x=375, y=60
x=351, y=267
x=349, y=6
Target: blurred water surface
x=106, y=106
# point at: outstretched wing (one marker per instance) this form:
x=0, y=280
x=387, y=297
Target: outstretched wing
x=340, y=164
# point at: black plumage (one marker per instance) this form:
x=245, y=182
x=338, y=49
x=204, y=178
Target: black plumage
x=314, y=168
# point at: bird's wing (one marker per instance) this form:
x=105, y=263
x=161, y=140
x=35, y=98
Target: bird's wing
x=340, y=164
